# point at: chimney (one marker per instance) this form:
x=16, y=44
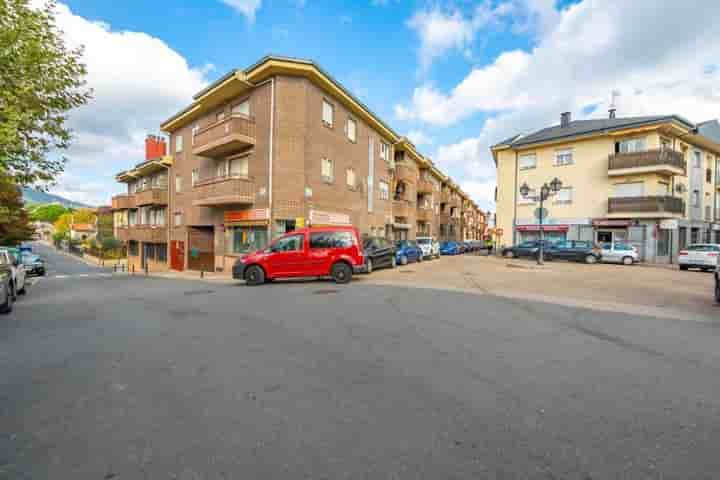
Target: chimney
x=612, y=112
x=565, y=119
x=155, y=147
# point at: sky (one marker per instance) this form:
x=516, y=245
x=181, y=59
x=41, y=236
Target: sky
x=454, y=76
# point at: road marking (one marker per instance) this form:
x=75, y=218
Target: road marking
x=83, y=275
x=61, y=276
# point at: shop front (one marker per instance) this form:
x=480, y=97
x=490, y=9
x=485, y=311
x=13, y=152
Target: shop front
x=245, y=231
x=551, y=233
x=609, y=231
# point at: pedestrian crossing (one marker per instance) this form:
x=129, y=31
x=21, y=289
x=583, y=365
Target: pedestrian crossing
x=73, y=276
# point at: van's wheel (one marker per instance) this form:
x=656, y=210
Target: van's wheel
x=369, y=266
x=509, y=254
x=13, y=292
x=420, y=258
x=683, y=267
x=255, y=276
x=627, y=261
x=403, y=260
x=717, y=290
x=8, y=305
x=590, y=259
x=341, y=272
x=23, y=290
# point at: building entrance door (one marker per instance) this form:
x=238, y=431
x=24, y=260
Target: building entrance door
x=177, y=255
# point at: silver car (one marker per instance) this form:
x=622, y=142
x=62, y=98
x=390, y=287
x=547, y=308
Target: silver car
x=619, y=252
x=6, y=294
x=429, y=246
x=699, y=255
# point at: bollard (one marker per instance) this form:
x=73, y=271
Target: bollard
x=146, y=268
x=132, y=268
x=202, y=273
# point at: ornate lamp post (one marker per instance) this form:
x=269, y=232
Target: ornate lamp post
x=546, y=191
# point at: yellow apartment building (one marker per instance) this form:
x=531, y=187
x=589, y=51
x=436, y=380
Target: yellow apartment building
x=651, y=181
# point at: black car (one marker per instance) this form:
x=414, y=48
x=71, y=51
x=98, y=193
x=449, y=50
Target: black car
x=574, y=250
x=34, y=265
x=379, y=252
x=526, y=249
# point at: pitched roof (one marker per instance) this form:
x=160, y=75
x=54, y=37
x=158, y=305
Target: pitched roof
x=584, y=127
x=83, y=227
x=710, y=129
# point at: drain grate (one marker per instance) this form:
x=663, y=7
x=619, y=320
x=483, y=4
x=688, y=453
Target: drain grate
x=407, y=271
x=327, y=291
x=197, y=292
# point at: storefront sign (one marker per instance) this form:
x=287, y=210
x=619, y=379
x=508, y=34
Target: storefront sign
x=299, y=222
x=318, y=217
x=669, y=224
x=242, y=216
x=601, y=222
x=545, y=228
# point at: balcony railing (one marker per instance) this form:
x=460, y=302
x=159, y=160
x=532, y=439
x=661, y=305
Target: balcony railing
x=155, y=195
x=224, y=190
x=401, y=208
x=424, y=186
x=143, y=233
x=230, y=135
x=659, y=204
x=666, y=160
x=123, y=202
x=425, y=214
x=406, y=173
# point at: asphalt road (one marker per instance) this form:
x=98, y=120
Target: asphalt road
x=133, y=378
x=58, y=263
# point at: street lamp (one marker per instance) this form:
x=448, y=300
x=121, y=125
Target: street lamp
x=546, y=191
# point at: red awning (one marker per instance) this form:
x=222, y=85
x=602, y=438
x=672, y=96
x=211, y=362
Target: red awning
x=603, y=222
x=545, y=228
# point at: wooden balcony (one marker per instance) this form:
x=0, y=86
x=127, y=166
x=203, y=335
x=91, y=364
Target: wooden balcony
x=445, y=218
x=143, y=233
x=230, y=135
x=406, y=173
x=425, y=215
x=123, y=202
x=424, y=186
x=225, y=190
x=152, y=196
x=660, y=206
x=668, y=162
x=402, y=208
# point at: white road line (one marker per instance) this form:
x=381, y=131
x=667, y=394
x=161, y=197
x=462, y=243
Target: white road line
x=61, y=276
x=83, y=275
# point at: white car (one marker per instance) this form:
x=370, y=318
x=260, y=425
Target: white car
x=18, y=272
x=699, y=255
x=619, y=252
x=429, y=246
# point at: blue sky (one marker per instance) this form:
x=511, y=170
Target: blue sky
x=457, y=75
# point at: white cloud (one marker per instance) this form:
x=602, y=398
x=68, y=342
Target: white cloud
x=249, y=7
x=583, y=53
x=419, y=138
x=137, y=81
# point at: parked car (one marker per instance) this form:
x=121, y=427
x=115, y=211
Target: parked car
x=379, y=252
x=34, y=265
x=717, y=285
x=334, y=252
x=429, y=246
x=17, y=284
x=530, y=248
x=407, y=251
x=6, y=291
x=699, y=255
x=574, y=250
x=449, y=248
x=619, y=252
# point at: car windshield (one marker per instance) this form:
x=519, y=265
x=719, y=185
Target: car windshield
x=424, y=241
x=30, y=259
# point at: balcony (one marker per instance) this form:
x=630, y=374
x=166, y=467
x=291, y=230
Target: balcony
x=224, y=190
x=402, y=208
x=123, y=202
x=230, y=135
x=668, y=162
x=445, y=196
x=406, y=173
x=648, y=207
x=424, y=186
x=445, y=218
x=425, y=215
x=143, y=233
x=157, y=195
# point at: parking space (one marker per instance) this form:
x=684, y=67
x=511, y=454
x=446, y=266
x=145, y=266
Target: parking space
x=638, y=289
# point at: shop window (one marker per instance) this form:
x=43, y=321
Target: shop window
x=161, y=250
x=133, y=248
x=244, y=239
x=284, y=226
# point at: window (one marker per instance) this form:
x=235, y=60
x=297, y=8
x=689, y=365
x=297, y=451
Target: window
x=331, y=240
x=695, y=198
x=178, y=219
x=133, y=248
x=708, y=209
x=284, y=226
x=564, y=195
x=384, y=190
x=132, y=217
x=665, y=143
x=161, y=250
x=221, y=168
x=352, y=130
x=327, y=113
x=243, y=108
x=663, y=188
x=326, y=170
x=195, y=131
x=178, y=184
x=708, y=175
x=564, y=157
x=384, y=151
x=160, y=217
x=528, y=161
x=178, y=143
x=245, y=239
x=292, y=243
x=350, y=178
x=239, y=167
x=635, y=189
x=633, y=145
x=195, y=176
x=697, y=159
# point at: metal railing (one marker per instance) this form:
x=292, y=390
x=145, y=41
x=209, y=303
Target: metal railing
x=648, y=204
x=646, y=158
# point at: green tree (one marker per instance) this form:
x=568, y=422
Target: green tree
x=62, y=224
x=41, y=80
x=14, y=219
x=110, y=243
x=49, y=212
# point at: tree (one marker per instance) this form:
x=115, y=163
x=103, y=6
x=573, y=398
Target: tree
x=84, y=215
x=62, y=224
x=14, y=220
x=41, y=80
x=49, y=212
x=110, y=243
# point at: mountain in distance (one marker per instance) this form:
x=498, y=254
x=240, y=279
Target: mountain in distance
x=31, y=195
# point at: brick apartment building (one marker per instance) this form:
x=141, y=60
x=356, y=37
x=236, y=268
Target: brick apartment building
x=271, y=148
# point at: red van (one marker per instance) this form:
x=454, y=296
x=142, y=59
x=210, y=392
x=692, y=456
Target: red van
x=307, y=252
